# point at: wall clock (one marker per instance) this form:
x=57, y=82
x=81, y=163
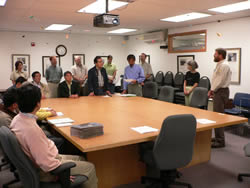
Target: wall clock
x=61, y=50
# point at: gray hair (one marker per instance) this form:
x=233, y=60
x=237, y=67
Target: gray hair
x=193, y=64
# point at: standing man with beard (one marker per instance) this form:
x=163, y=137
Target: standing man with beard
x=220, y=92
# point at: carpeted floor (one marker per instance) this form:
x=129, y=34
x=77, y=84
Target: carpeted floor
x=220, y=172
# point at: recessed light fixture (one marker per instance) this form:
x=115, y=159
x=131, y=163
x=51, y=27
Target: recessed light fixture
x=2, y=3
x=122, y=30
x=99, y=7
x=186, y=17
x=232, y=7
x=57, y=27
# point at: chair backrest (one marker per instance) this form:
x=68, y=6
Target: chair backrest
x=150, y=90
x=242, y=100
x=199, y=98
x=159, y=78
x=205, y=82
x=166, y=94
x=168, y=79
x=174, y=145
x=179, y=80
x=28, y=174
x=151, y=78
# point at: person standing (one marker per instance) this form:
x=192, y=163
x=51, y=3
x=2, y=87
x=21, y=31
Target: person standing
x=53, y=76
x=191, y=81
x=36, y=76
x=220, y=92
x=133, y=77
x=111, y=71
x=146, y=67
x=98, y=79
x=80, y=74
x=18, y=72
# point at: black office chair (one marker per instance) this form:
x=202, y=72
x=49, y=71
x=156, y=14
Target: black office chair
x=150, y=90
x=199, y=98
x=168, y=79
x=172, y=149
x=28, y=174
x=159, y=78
x=205, y=82
x=179, y=81
x=247, y=153
x=166, y=94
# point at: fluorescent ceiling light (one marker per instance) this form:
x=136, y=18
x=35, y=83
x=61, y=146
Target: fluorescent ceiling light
x=186, y=17
x=123, y=30
x=2, y=2
x=57, y=27
x=99, y=7
x=232, y=7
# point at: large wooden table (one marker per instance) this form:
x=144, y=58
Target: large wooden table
x=115, y=154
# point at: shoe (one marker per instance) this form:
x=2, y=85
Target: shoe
x=218, y=145
x=213, y=140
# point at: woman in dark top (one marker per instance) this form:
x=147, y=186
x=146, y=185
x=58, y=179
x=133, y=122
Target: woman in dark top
x=192, y=79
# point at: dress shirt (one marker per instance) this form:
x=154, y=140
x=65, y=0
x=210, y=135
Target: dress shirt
x=16, y=74
x=79, y=72
x=100, y=78
x=43, y=87
x=110, y=68
x=54, y=74
x=135, y=72
x=146, y=68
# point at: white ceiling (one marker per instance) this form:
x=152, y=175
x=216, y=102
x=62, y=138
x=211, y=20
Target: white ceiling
x=143, y=15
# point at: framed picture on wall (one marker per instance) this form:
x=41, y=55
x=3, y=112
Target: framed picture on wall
x=147, y=59
x=25, y=58
x=234, y=60
x=182, y=61
x=46, y=63
x=82, y=56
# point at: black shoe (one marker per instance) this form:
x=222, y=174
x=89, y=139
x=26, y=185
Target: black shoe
x=218, y=145
x=213, y=140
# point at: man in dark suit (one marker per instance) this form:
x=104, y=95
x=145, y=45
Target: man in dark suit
x=68, y=88
x=98, y=79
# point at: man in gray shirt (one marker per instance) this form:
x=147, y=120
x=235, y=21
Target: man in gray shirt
x=146, y=67
x=53, y=76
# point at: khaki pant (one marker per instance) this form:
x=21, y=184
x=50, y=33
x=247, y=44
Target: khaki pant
x=221, y=97
x=82, y=168
x=135, y=89
x=53, y=88
x=188, y=97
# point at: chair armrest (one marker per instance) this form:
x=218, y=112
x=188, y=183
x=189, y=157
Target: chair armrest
x=63, y=167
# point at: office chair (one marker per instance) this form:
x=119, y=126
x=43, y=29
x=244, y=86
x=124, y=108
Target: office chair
x=166, y=94
x=205, y=82
x=247, y=153
x=150, y=90
x=159, y=78
x=28, y=174
x=172, y=149
x=179, y=81
x=241, y=102
x=199, y=98
x=168, y=79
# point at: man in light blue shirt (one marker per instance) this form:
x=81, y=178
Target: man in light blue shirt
x=133, y=77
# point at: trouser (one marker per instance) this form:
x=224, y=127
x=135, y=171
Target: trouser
x=84, y=90
x=111, y=88
x=82, y=168
x=188, y=97
x=135, y=89
x=100, y=91
x=53, y=87
x=221, y=97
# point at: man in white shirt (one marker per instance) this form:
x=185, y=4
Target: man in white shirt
x=36, y=76
x=146, y=67
x=80, y=74
x=220, y=92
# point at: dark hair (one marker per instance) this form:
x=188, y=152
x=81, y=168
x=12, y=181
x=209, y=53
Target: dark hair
x=110, y=56
x=28, y=97
x=130, y=56
x=96, y=59
x=222, y=52
x=51, y=57
x=144, y=54
x=34, y=74
x=17, y=64
x=10, y=97
x=193, y=64
x=67, y=72
x=20, y=80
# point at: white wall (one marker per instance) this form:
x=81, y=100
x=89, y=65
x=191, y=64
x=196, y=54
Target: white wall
x=14, y=43
x=235, y=34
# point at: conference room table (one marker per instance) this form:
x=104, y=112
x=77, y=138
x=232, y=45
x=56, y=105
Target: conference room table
x=115, y=154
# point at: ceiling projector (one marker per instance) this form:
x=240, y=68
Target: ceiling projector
x=106, y=20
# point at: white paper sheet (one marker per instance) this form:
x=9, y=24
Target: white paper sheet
x=144, y=129
x=63, y=124
x=59, y=114
x=60, y=121
x=126, y=95
x=205, y=121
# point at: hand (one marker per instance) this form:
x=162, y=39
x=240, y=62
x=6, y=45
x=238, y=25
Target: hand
x=92, y=94
x=108, y=93
x=124, y=92
x=43, y=97
x=142, y=84
x=72, y=178
x=74, y=96
x=110, y=81
x=133, y=81
x=210, y=94
x=53, y=113
x=185, y=91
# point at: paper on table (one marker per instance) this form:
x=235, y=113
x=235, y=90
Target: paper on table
x=126, y=95
x=62, y=120
x=144, y=129
x=59, y=114
x=205, y=121
x=63, y=124
x=106, y=96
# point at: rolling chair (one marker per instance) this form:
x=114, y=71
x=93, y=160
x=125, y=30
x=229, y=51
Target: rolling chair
x=172, y=149
x=199, y=98
x=159, y=78
x=178, y=86
x=28, y=174
x=241, y=102
x=150, y=90
x=247, y=153
x=205, y=83
x=166, y=94
x=168, y=79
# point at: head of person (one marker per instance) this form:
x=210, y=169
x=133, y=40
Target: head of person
x=110, y=58
x=143, y=57
x=53, y=60
x=29, y=98
x=220, y=54
x=19, y=66
x=68, y=76
x=131, y=59
x=98, y=62
x=10, y=99
x=78, y=60
x=19, y=81
x=192, y=65
x=36, y=76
